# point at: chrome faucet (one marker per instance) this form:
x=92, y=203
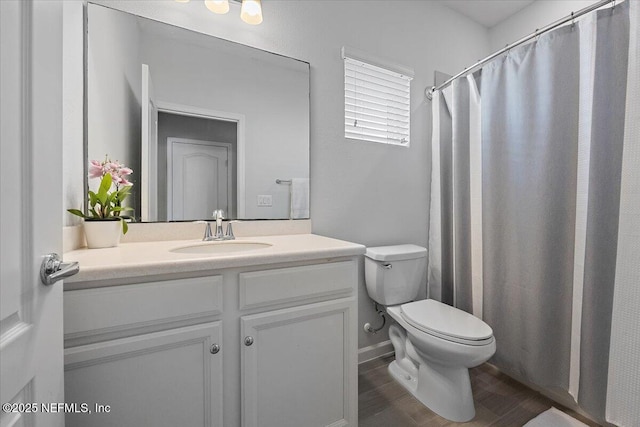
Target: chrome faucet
x=218, y=215
x=209, y=236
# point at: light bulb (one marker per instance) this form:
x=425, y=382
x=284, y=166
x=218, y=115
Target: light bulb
x=217, y=6
x=251, y=12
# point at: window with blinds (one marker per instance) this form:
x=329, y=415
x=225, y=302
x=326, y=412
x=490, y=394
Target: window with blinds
x=376, y=103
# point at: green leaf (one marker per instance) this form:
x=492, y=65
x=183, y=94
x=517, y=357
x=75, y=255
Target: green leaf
x=110, y=199
x=125, y=226
x=103, y=191
x=123, y=193
x=93, y=199
x=105, y=184
x=77, y=212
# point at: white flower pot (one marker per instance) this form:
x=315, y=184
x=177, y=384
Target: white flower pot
x=102, y=233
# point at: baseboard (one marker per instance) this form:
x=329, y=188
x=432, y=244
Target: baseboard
x=374, y=351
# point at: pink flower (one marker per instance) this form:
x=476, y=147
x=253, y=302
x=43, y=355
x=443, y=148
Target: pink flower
x=117, y=171
x=95, y=169
x=111, y=167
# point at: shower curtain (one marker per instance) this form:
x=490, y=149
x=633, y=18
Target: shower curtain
x=535, y=209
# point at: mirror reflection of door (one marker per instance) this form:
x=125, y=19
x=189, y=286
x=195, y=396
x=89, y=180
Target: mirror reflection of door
x=195, y=192
x=199, y=176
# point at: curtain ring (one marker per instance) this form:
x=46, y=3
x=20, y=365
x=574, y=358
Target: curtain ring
x=573, y=22
x=537, y=36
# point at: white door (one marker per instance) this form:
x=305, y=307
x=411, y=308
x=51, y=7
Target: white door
x=149, y=170
x=199, y=178
x=31, y=355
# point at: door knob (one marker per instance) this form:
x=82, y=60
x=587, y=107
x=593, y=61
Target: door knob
x=214, y=349
x=248, y=341
x=53, y=269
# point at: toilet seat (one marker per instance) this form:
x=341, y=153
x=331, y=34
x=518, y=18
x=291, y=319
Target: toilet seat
x=446, y=322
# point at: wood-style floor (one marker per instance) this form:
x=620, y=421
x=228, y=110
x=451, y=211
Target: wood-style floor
x=500, y=401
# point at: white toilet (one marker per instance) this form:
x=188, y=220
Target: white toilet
x=436, y=344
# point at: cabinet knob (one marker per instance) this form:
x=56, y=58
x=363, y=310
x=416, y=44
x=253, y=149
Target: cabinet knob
x=214, y=349
x=248, y=341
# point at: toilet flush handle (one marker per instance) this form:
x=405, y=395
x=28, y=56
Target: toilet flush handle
x=387, y=266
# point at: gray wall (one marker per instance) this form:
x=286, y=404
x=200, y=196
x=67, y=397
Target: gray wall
x=72, y=110
x=114, y=94
x=537, y=15
x=173, y=125
x=271, y=92
x=363, y=192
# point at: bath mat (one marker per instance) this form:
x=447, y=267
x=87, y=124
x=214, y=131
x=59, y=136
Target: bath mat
x=554, y=418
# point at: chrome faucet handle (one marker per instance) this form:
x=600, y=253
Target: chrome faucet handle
x=229, y=233
x=208, y=235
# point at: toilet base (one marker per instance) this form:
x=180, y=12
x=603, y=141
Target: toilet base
x=446, y=391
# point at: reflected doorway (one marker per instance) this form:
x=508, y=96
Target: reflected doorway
x=197, y=166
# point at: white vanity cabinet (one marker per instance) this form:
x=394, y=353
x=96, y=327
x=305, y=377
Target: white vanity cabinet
x=127, y=350
x=252, y=346
x=299, y=363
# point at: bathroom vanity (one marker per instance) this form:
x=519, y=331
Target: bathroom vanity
x=173, y=333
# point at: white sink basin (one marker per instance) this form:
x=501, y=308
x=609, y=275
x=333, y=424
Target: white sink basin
x=220, y=248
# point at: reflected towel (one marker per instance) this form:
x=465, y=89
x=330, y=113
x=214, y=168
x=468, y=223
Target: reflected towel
x=300, y=198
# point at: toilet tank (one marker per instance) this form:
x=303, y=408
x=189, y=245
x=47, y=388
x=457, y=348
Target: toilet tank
x=394, y=274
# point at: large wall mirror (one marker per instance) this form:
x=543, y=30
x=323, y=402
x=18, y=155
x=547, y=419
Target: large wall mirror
x=204, y=123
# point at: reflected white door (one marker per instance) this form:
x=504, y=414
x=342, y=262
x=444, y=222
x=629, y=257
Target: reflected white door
x=199, y=178
x=149, y=170
x=31, y=355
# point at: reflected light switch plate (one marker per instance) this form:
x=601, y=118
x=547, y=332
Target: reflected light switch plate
x=265, y=200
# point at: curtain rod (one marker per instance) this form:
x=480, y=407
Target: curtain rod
x=429, y=91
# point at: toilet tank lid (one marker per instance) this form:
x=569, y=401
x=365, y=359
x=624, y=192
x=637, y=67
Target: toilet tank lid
x=396, y=253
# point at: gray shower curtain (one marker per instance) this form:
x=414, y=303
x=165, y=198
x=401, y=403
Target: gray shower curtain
x=549, y=155
x=530, y=147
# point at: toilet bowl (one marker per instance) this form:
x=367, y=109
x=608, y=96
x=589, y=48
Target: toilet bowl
x=435, y=344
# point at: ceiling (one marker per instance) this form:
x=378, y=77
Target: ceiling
x=487, y=12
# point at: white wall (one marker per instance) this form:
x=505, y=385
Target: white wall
x=537, y=15
x=363, y=192
x=72, y=113
x=114, y=91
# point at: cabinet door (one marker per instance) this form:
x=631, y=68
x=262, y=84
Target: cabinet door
x=169, y=378
x=300, y=368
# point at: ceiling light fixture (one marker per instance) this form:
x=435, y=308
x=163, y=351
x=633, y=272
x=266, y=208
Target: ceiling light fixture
x=250, y=11
x=217, y=6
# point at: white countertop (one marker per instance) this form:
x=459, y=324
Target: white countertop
x=110, y=266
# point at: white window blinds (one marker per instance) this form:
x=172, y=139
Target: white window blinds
x=376, y=103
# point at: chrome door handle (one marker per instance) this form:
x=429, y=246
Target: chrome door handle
x=53, y=269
